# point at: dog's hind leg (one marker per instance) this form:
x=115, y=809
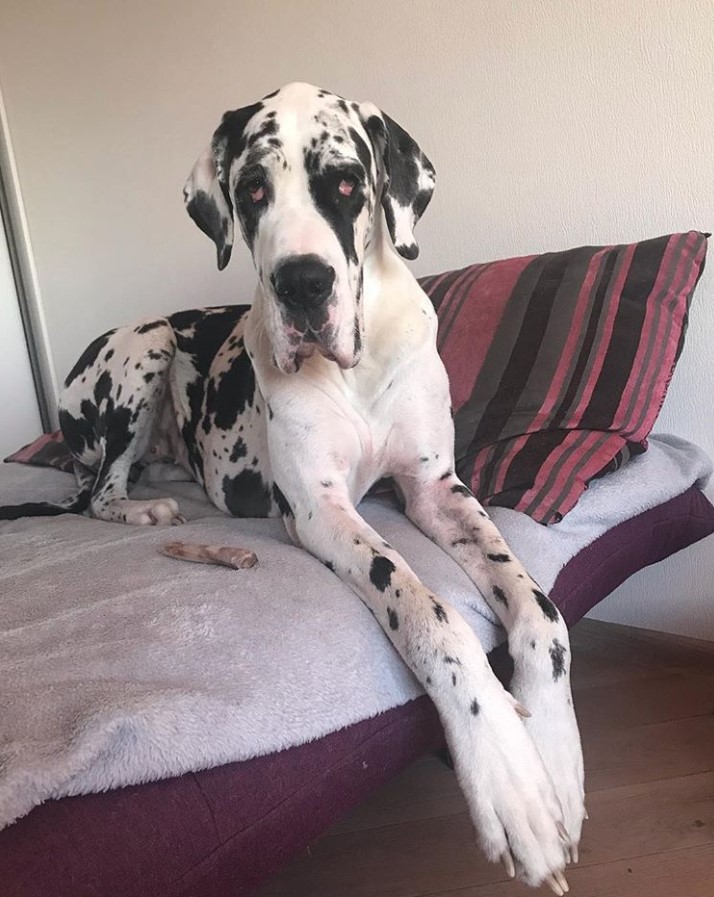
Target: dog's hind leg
x=109, y=413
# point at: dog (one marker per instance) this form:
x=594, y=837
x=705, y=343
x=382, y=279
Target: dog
x=296, y=405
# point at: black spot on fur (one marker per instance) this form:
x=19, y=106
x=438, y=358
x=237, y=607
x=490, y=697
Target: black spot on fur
x=475, y=707
x=453, y=678
x=229, y=395
x=557, y=655
x=103, y=388
x=326, y=484
x=240, y=450
x=463, y=541
x=89, y=356
x=330, y=566
x=283, y=504
x=246, y=495
x=358, y=337
x=151, y=325
x=149, y=377
x=339, y=211
x=439, y=611
x=546, y=605
x=455, y=660
x=79, y=432
x=380, y=573
x=499, y=558
x=500, y=595
x=109, y=354
x=267, y=128
x=393, y=618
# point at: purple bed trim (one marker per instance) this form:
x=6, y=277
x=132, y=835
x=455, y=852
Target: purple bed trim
x=606, y=563
x=223, y=831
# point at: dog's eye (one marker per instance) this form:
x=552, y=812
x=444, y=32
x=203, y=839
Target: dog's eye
x=255, y=188
x=347, y=185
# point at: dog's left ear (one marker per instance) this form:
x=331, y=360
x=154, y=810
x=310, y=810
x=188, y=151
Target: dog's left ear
x=408, y=177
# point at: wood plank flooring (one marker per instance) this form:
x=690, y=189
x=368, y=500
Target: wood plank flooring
x=646, y=707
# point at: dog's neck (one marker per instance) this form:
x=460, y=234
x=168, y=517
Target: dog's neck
x=398, y=315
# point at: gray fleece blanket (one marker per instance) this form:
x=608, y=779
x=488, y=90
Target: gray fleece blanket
x=119, y=665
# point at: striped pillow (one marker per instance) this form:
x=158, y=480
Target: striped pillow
x=559, y=363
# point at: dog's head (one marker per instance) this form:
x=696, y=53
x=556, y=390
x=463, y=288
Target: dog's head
x=303, y=173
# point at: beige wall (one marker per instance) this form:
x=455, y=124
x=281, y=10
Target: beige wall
x=551, y=124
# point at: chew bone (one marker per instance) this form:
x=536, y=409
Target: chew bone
x=237, y=558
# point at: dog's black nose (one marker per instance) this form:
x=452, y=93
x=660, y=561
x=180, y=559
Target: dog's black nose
x=303, y=281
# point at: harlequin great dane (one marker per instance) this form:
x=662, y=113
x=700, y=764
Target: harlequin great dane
x=298, y=403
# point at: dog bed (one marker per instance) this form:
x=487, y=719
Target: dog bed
x=120, y=666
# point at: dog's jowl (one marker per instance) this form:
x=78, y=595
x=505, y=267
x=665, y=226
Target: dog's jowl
x=297, y=404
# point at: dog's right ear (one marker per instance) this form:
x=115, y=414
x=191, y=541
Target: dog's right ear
x=209, y=205
x=206, y=193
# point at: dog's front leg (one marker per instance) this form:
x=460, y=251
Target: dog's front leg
x=538, y=642
x=510, y=795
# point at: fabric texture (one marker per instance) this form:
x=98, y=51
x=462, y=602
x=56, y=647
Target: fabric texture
x=225, y=830
x=119, y=665
x=559, y=363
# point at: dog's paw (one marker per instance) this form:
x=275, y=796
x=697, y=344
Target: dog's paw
x=554, y=729
x=541, y=684
x=511, y=798
x=154, y=512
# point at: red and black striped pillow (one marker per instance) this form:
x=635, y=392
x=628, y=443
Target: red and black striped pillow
x=559, y=363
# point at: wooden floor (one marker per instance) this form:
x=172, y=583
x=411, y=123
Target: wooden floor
x=646, y=708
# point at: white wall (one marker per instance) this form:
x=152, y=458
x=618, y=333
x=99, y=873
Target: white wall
x=551, y=124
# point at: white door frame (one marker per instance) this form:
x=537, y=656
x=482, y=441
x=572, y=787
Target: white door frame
x=18, y=398
x=14, y=223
